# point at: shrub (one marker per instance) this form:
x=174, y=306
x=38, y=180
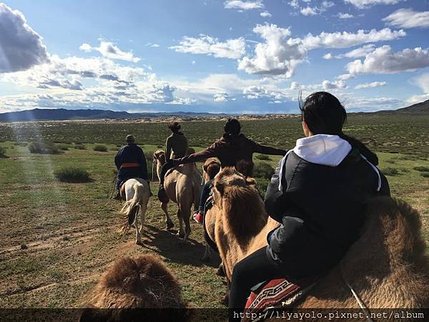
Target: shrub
x=63, y=147
x=79, y=146
x=100, y=148
x=72, y=174
x=390, y=171
x=263, y=157
x=3, y=152
x=263, y=170
x=421, y=169
x=425, y=174
x=43, y=148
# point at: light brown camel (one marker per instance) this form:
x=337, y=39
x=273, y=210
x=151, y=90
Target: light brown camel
x=386, y=267
x=140, y=289
x=182, y=186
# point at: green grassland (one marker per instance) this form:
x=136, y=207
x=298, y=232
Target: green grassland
x=57, y=238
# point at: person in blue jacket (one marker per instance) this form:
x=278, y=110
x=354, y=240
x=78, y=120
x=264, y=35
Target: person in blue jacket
x=130, y=162
x=317, y=194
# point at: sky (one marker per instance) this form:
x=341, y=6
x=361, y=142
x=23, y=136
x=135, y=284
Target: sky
x=218, y=56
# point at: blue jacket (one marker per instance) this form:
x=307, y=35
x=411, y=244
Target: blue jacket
x=318, y=194
x=125, y=158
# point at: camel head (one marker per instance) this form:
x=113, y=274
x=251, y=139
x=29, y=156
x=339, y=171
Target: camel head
x=159, y=156
x=240, y=204
x=210, y=168
x=132, y=284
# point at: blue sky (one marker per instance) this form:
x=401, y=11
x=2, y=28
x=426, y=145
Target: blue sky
x=228, y=56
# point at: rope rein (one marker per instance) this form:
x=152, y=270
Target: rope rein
x=361, y=304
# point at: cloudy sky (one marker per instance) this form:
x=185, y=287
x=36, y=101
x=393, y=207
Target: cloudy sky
x=231, y=56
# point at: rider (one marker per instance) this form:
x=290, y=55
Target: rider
x=176, y=144
x=130, y=162
x=231, y=148
x=317, y=194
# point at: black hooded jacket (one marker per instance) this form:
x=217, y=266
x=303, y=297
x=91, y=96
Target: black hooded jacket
x=318, y=194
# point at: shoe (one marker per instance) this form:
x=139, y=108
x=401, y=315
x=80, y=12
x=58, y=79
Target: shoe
x=162, y=195
x=198, y=217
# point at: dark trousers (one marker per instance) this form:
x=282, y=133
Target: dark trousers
x=248, y=272
x=205, y=193
x=128, y=173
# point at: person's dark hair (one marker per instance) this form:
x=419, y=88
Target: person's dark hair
x=174, y=127
x=324, y=114
x=130, y=138
x=232, y=128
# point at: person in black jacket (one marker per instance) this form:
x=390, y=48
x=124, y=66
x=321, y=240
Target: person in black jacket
x=130, y=162
x=317, y=194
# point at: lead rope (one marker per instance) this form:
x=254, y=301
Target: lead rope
x=361, y=304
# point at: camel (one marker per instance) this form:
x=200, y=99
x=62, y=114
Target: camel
x=182, y=186
x=136, y=198
x=386, y=267
x=140, y=289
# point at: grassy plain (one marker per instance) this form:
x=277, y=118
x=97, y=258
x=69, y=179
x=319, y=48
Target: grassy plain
x=57, y=238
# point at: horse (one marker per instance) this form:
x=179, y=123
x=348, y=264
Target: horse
x=182, y=186
x=136, y=198
x=140, y=289
x=386, y=267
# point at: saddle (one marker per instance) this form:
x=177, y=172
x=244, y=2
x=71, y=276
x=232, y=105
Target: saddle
x=275, y=294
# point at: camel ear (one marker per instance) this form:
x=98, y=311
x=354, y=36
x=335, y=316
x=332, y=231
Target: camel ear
x=220, y=187
x=251, y=181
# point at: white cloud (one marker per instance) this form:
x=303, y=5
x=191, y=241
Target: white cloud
x=327, y=85
x=20, y=46
x=278, y=55
x=361, y=4
x=345, y=39
x=265, y=14
x=232, y=48
x=308, y=11
x=220, y=97
x=408, y=18
x=110, y=50
x=312, y=11
x=345, y=16
x=355, y=53
x=421, y=81
x=370, y=85
x=328, y=56
x=383, y=61
x=243, y=5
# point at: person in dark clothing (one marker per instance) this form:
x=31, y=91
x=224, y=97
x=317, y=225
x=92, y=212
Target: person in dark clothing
x=211, y=169
x=317, y=194
x=130, y=162
x=176, y=144
x=231, y=148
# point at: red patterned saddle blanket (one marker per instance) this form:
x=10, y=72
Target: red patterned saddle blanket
x=276, y=294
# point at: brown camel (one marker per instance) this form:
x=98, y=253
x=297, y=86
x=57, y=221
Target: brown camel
x=141, y=289
x=182, y=186
x=386, y=267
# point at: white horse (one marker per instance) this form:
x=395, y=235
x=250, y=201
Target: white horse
x=137, y=196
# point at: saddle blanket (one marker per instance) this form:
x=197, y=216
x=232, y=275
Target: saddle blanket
x=276, y=294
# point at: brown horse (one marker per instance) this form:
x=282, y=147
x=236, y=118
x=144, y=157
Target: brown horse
x=182, y=186
x=130, y=287
x=386, y=267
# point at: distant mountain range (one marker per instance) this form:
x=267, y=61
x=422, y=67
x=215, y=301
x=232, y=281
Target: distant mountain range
x=64, y=114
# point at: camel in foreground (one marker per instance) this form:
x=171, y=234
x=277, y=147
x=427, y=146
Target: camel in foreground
x=183, y=186
x=386, y=267
x=141, y=289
